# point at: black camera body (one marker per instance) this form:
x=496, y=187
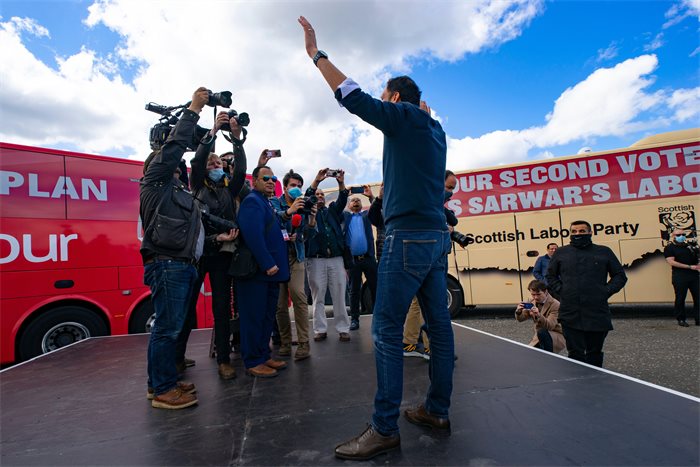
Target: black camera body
x=216, y=224
x=243, y=119
x=309, y=203
x=461, y=239
x=221, y=99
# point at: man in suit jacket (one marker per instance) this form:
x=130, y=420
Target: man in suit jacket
x=256, y=298
x=543, y=309
x=357, y=232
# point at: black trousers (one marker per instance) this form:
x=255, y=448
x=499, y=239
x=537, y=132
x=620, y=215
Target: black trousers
x=585, y=346
x=217, y=268
x=681, y=285
x=368, y=267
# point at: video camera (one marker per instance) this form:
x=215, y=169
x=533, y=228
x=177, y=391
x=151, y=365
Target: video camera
x=309, y=203
x=170, y=116
x=461, y=239
x=217, y=224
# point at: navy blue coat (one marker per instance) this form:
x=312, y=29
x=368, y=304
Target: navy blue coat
x=267, y=244
x=368, y=231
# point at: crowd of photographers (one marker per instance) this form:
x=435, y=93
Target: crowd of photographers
x=259, y=250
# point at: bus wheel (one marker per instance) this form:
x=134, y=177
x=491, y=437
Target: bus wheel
x=142, y=318
x=455, y=297
x=57, y=328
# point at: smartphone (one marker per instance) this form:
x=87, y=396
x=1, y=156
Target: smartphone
x=274, y=153
x=527, y=306
x=332, y=173
x=357, y=190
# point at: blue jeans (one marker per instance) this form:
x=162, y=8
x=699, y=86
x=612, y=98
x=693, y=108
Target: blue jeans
x=171, y=284
x=413, y=263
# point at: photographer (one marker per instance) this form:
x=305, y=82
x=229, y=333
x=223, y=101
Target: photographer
x=324, y=266
x=299, y=225
x=171, y=246
x=543, y=309
x=216, y=190
x=685, y=265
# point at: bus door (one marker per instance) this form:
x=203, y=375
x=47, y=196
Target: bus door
x=536, y=229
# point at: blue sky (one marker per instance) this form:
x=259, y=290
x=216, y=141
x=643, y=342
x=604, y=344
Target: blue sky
x=492, y=72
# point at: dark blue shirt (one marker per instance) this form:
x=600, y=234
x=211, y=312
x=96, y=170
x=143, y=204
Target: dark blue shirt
x=413, y=165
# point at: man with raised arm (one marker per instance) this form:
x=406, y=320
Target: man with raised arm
x=414, y=260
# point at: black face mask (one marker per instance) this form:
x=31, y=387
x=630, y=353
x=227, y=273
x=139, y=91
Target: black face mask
x=581, y=241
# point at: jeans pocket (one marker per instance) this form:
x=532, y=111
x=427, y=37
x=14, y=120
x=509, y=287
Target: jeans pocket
x=418, y=256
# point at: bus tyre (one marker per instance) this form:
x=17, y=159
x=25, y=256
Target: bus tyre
x=455, y=297
x=142, y=318
x=57, y=328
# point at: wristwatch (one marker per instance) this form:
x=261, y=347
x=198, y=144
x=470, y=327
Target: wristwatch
x=319, y=55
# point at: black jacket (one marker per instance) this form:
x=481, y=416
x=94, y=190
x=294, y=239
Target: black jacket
x=580, y=277
x=175, y=229
x=219, y=197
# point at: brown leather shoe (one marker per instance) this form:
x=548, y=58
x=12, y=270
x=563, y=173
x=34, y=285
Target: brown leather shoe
x=262, y=371
x=173, y=400
x=369, y=444
x=226, y=371
x=344, y=337
x=420, y=416
x=320, y=336
x=276, y=364
x=184, y=386
x=302, y=352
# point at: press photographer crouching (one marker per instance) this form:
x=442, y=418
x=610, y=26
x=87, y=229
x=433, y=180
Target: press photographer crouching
x=172, y=244
x=217, y=190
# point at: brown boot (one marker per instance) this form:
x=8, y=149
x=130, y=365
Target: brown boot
x=285, y=350
x=262, y=371
x=226, y=371
x=173, y=399
x=184, y=386
x=302, y=352
x=276, y=364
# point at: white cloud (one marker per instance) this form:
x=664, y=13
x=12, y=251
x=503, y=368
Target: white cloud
x=609, y=102
x=680, y=11
x=253, y=49
x=608, y=53
x=656, y=43
x=686, y=105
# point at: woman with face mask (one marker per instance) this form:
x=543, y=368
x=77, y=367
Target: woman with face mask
x=216, y=186
x=683, y=258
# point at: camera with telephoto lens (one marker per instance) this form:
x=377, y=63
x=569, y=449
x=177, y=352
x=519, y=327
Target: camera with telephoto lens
x=221, y=99
x=216, y=224
x=461, y=239
x=309, y=203
x=243, y=119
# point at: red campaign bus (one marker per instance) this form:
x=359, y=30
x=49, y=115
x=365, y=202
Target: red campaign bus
x=70, y=266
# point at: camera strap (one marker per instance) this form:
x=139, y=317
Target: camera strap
x=235, y=141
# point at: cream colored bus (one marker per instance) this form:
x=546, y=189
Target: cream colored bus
x=632, y=197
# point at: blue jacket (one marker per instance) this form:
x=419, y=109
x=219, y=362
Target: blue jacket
x=267, y=244
x=540, y=269
x=368, y=231
x=333, y=215
x=304, y=232
x=413, y=163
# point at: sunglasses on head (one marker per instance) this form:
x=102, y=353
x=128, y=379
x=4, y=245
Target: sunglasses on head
x=267, y=178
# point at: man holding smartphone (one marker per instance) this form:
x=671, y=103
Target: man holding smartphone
x=543, y=310
x=414, y=260
x=357, y=231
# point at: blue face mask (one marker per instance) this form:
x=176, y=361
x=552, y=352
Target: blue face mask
x=294, y=193
x=680, y=238
x=216, y=174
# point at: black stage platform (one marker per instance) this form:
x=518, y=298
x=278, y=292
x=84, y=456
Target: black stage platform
x=512, y=405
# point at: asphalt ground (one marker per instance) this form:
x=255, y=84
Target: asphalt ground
x=646, y=344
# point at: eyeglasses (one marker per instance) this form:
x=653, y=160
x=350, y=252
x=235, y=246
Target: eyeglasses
x=267, y=178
